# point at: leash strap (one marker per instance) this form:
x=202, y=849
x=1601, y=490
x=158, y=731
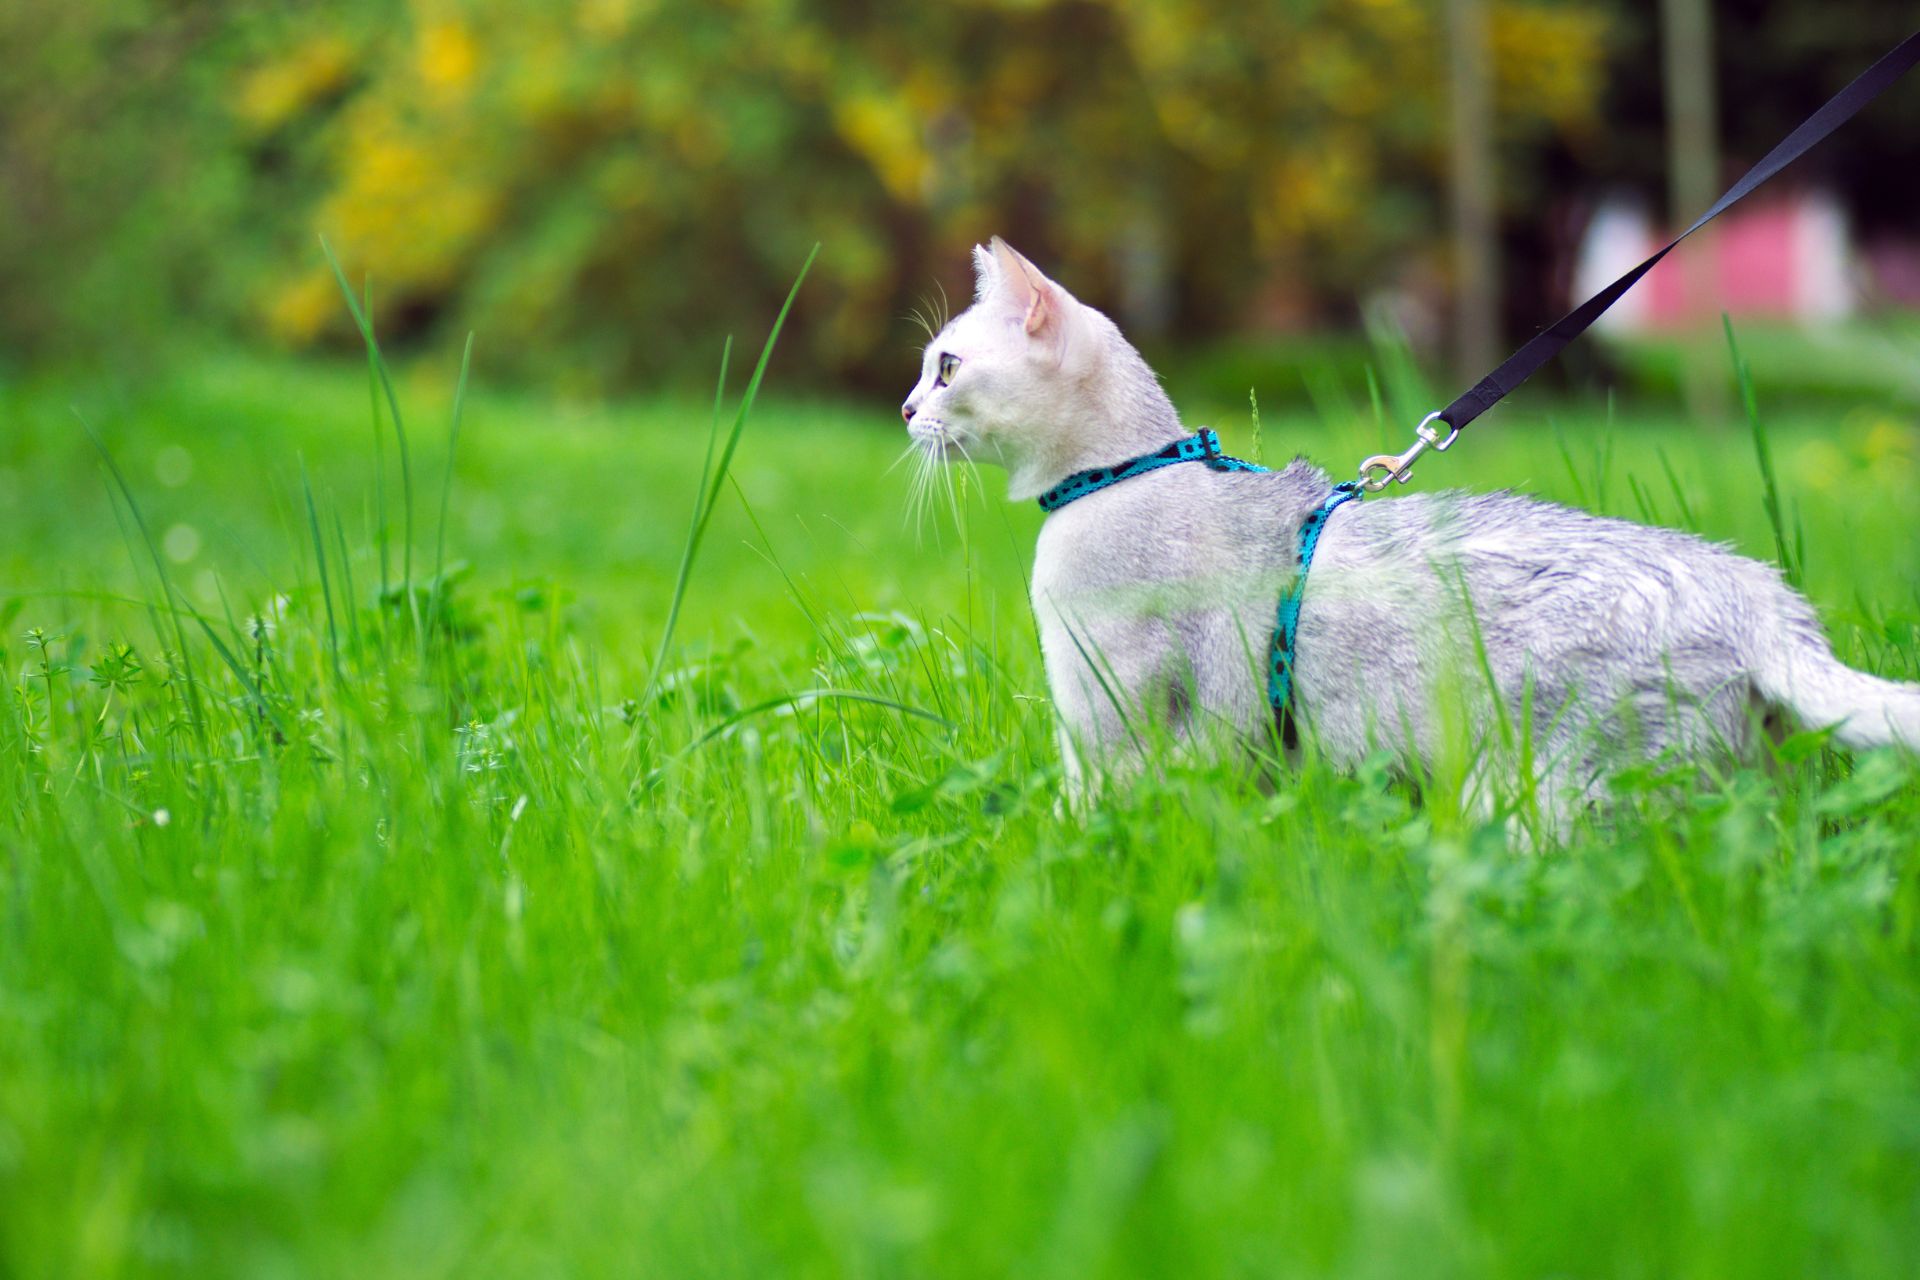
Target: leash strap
x=1202, y=446
x=1525, y=362
x=1287, y=621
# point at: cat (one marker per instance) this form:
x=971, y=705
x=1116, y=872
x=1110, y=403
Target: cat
x=1595, y=642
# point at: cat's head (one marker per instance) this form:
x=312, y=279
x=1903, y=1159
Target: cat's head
x=1033, y=379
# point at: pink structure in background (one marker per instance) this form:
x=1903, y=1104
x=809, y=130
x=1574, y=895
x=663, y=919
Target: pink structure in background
x=1788, y=258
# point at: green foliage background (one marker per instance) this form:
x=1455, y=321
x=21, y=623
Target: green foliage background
x=601, y=185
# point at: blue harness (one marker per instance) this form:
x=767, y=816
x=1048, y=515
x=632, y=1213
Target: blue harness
x=1204, y=446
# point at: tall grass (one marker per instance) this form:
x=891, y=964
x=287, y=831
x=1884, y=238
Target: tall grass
x=722, y=919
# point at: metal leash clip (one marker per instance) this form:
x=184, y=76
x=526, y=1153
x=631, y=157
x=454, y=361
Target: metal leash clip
x=1381, y=470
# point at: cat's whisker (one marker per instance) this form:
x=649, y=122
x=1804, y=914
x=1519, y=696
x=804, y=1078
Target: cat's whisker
x=916, y=496
x=913, y=317
x=905, y=453
x=929, y=515
x=918, y=490
x=953, y=496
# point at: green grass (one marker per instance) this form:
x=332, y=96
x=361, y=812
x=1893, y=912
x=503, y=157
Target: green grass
x=1870, y=360
x=445, y=935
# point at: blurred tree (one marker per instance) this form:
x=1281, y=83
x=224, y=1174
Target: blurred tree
x=1773, y=62
x=1475, y=188
x=602, y=187
x=616, y=179
x=115, y=173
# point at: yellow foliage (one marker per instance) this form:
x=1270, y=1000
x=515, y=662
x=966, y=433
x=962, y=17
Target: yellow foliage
x=404, y=205
x=446, y=58
x=507, y=155
x=281, y=89
x=1819, y=464
x=301, y=311
x=1307, y=191
x=1548, y=61
x=538, y=72
x=1337, y=101
x=1890, y=443
x=887, y=133
x=605, y=19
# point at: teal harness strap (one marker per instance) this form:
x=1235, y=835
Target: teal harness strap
x=1204, y=446
x=1287, y=622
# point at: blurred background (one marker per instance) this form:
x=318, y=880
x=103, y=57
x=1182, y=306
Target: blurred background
x=603, y=189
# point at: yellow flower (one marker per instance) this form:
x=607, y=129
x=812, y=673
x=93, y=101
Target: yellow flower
x=1548, y=61
x=301, y=311
x=274, y=93
x=884, y=131
x=446, y=59
x=1308, y=192
x=1820, y=465
x=606, y=18
x=1889, y=442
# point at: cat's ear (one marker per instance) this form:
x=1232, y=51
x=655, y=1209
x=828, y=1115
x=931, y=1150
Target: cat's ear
x=1042, y=303
x=986, y=272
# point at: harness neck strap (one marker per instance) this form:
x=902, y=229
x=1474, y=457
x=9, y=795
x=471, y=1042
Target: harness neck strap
x=1202, y=446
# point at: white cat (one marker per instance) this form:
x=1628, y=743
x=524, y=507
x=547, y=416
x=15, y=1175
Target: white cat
x=1549, y=638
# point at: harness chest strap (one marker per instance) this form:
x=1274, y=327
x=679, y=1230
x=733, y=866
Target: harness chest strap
x=1280, y=673
x=1204, y=446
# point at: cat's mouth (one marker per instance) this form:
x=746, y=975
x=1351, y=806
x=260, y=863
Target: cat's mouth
x=932, y=436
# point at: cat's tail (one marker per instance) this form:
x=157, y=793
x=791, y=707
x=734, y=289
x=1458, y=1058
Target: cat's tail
x=1797, y=673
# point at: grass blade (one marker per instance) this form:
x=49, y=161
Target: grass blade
x=446, y=487
x=714, y=475
x=818, y=695
x=1769, y=483
x=320, y=558
x=377, y=362
x=196, y=713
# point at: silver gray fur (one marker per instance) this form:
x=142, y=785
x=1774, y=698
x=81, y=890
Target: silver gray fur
x=1534, y=634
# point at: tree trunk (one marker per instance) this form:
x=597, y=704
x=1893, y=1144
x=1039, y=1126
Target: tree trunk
x=1476, y=249
x=1693, y=172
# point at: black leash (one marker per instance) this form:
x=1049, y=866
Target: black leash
x=1544, y=346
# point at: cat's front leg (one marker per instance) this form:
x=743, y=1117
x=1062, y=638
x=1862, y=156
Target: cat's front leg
x=1075, y=801
x=1119, y=690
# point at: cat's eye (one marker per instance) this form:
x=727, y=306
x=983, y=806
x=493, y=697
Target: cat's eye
x=949, y=365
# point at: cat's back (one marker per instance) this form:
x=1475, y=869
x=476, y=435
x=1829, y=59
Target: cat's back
x=1556, y=570
x=1507, y=528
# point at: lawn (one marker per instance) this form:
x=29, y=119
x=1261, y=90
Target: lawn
x=353, y=929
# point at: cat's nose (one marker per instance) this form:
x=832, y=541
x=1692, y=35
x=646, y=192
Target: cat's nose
x=906, y=412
